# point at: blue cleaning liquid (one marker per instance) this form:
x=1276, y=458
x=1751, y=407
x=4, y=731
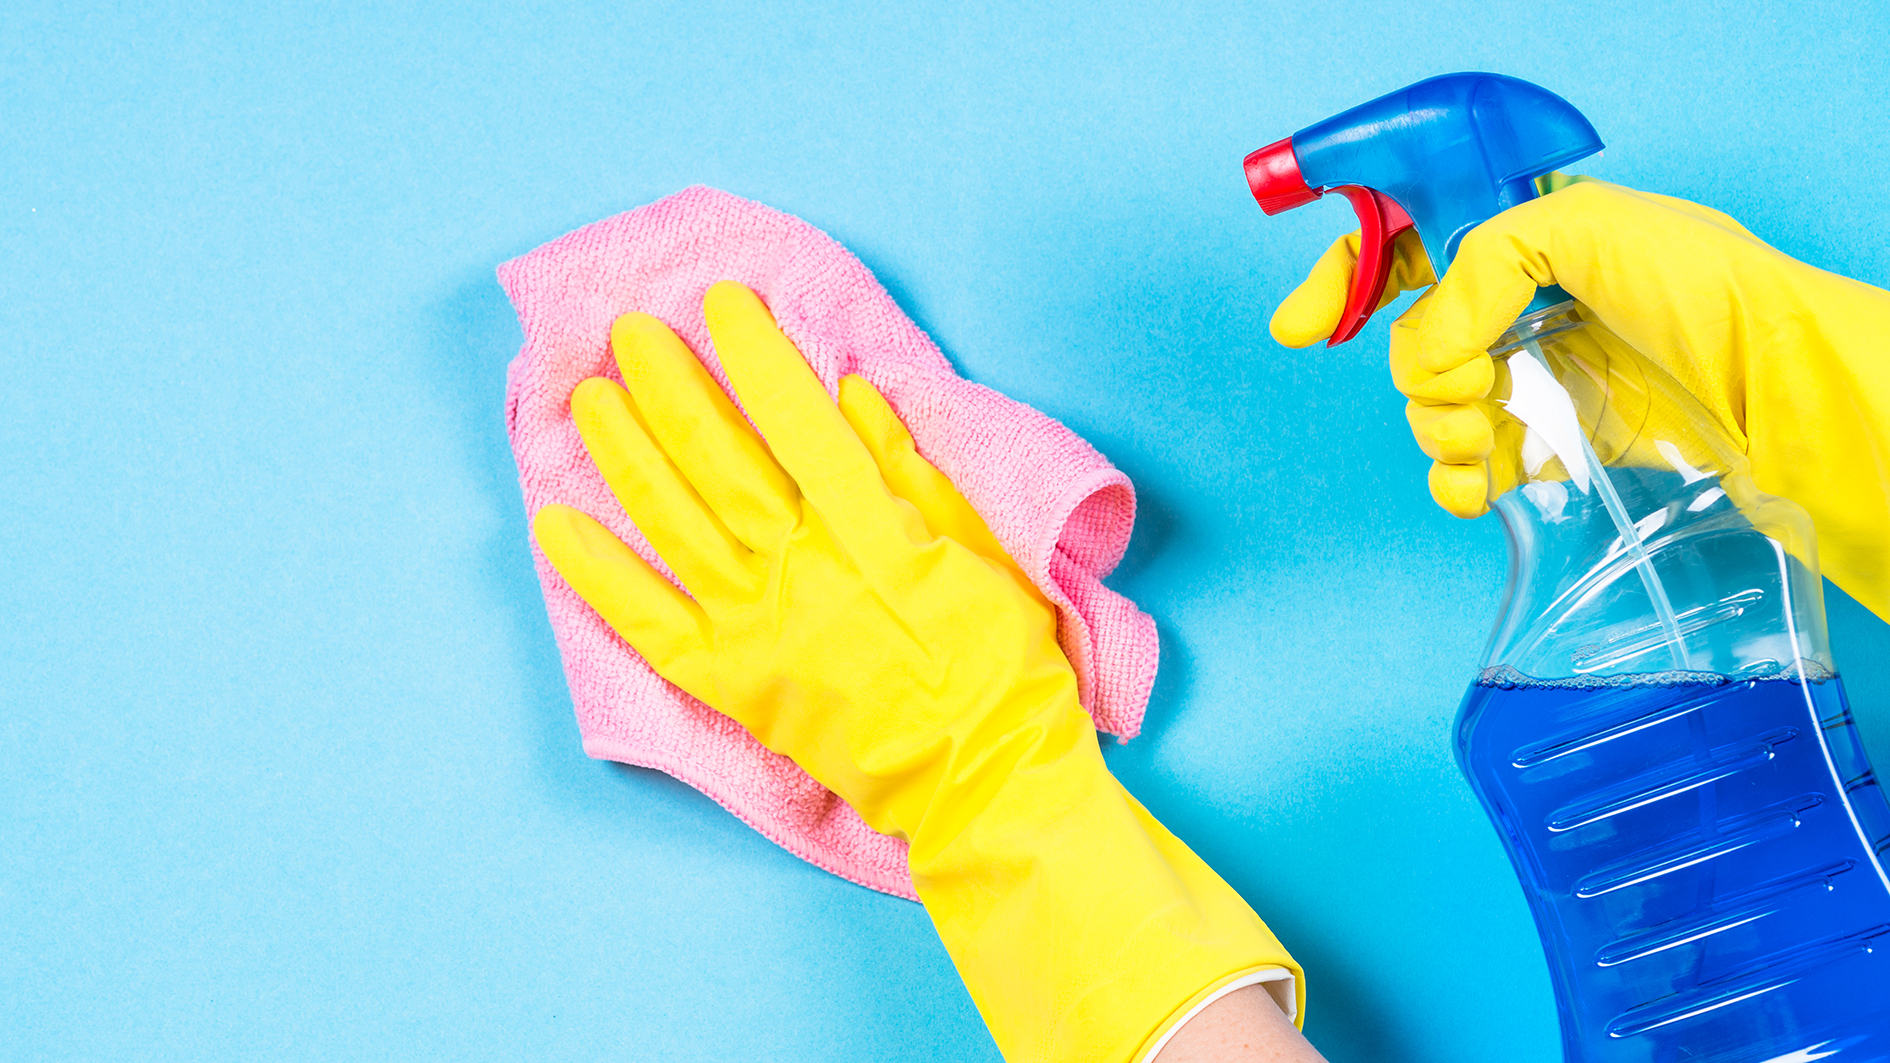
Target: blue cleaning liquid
x=1705, y=859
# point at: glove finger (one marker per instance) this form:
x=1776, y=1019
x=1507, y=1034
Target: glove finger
x=1495, y=274
x=911, y=477
x=1466, y=383
x=711, y=562
x=1461, y=384
x=1311, y=312
x=1410, y=268
x=692, y=419
x=801, y=423
x=657, y=620
x=906, y=474
x=1463, y=490
x=1455, y=434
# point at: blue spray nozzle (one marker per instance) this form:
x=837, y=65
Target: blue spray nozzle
x=1443, y=156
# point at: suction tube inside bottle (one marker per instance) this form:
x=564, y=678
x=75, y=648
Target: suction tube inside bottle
x=1541, y=402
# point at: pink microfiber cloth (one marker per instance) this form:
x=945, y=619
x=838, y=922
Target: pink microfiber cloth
x=1056, y=504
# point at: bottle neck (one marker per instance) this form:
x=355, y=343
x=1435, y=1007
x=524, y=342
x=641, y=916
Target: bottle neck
x=1539, y=325
x=1668, y=557
x=1547, y=297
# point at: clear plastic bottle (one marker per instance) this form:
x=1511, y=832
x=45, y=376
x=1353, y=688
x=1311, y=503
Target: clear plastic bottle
x=1659, y=733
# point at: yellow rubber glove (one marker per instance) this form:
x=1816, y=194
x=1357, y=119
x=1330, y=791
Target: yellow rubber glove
x=849, y=608
x=1788, y=357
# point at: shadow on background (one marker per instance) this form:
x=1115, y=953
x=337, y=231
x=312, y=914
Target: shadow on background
x=475, y=336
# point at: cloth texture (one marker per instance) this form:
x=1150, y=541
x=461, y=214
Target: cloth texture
x=1058, y=506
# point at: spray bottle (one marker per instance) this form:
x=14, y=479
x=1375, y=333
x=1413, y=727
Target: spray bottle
x=1658, y=732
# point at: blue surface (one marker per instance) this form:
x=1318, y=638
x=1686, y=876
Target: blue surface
x=287, y=765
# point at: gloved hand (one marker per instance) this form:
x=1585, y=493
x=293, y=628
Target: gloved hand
x=1788, y=357
x=849, y=608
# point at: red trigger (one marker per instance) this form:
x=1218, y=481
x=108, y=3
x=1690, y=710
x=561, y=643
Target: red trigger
x=1380, y=220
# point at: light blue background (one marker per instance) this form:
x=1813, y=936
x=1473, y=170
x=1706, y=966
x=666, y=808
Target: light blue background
x=287, y=763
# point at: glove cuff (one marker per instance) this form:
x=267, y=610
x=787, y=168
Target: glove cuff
x=1282, y=985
